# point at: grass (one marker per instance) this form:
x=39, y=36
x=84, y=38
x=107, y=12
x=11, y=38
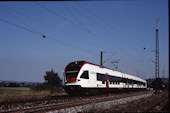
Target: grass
x=13, y=90
x=8, y=93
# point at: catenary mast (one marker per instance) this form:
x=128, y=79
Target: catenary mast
x=157, y=51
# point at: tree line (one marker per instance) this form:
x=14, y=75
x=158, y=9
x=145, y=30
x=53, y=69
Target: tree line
x=53, y=83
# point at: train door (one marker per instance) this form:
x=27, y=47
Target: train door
x=92, y=78
x=124, y=80
x=107, y=80
x=132, y=84
x=127, y=83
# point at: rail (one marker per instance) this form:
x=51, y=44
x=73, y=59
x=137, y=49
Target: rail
x=68, y=104
x=154, y=105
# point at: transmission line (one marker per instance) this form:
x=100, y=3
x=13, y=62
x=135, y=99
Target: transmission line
x=50, y=26
x=76, y=18
x=8, y=22
x=98, y=37
x=44, y=36
x=109, y=27
x=20, y=20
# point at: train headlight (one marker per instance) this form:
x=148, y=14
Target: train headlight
x=77, y=80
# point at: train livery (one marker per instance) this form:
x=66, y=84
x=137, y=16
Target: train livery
x=82, y=77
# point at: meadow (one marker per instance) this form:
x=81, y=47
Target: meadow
x=13, y=93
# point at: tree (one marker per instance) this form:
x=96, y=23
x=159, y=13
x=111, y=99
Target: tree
x=13, y=84
x=157, y=84
x=52, y=80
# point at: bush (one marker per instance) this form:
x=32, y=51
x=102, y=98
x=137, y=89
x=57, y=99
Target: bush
x=52, y=83
x=39, y=87
x=13, y=85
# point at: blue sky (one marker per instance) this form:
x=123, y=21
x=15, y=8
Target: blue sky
x=79, y=31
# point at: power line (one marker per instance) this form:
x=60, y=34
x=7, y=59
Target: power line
x=51, y=11
x=21, y=27
x=44, y=36
x=68, y=44
x=109, y=57
x=98, y=37
x=105, y=24
x=76, y=18
x=109, y=25
x=97, y=24
x=20, y=20
x=50, y=26
x=111, y=32
x=23, y=14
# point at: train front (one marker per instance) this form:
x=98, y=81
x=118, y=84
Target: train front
x=72, y=85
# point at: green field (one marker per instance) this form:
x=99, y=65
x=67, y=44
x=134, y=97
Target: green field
x=14, y=90
x=8, y=93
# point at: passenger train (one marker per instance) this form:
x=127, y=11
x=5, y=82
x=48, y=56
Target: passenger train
x=82, y=77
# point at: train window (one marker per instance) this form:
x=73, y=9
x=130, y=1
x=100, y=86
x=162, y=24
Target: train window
x=124, y=80
x=130, y=82
x=135, y=82
x=99, y=77
x=70, y=74
x=103, y=78
x=85, y=75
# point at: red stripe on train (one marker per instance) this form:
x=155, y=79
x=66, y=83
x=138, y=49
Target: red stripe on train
x=72, y=79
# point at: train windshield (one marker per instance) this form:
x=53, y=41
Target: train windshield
x=73, y=68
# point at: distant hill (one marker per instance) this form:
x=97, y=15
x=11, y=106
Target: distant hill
x=18, y=82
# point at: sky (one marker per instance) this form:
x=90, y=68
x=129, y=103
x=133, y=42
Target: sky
x=36, y=37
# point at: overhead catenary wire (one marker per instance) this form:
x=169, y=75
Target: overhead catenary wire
x=24, y=28
x=76, y=18
x=106, y=41
x=102, y=38
x=110, y=32
x=94, y=35
x=109, y=57
x=51, y=11
x=11, y=9
x=100, y=26
x=85, y=28
x=89, y=33
x=45, y=36
x=52, y=27
x=109, y=25
x=75, y=24
x=49, y=26
x=20, y=20
x=113, y=28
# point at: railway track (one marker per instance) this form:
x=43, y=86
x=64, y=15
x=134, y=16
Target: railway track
x=147, y=109
x=67, y=102
x=158, y=102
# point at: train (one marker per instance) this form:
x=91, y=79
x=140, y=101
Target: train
x=82, y=77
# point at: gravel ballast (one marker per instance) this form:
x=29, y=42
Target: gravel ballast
x=101, y=105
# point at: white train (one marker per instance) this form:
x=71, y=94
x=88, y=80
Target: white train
x=87, y=78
